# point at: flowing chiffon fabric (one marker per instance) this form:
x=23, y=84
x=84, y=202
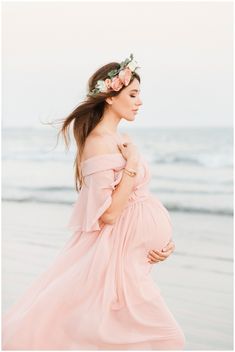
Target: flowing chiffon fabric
x=98, y=294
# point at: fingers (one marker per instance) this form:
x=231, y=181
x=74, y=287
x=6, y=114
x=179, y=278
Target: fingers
x=122, y=146
x=169, y=246
x=151, y=261
x=153, y=258
x=155, y=255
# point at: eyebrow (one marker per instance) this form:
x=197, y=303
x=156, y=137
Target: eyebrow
x=135, y=90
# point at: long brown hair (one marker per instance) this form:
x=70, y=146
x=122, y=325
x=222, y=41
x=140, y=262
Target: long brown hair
x=87, y=115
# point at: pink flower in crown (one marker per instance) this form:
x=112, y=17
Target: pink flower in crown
x=116, y=83
x=125, y=76
x=108, y=82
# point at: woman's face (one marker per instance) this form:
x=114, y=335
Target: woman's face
x=125, y=103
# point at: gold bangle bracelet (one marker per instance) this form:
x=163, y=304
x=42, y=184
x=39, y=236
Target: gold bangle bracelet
x=130, y=172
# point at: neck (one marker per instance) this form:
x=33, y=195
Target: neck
x=109, y=122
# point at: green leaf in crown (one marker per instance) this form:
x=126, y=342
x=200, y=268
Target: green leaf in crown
x=126, y=62
x=112, y=73
x=100, y=85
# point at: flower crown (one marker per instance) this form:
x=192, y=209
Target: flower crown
x=116, y=78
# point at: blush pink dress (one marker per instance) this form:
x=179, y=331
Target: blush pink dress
x=99, y=294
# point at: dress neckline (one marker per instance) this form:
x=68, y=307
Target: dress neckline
x=101, y=155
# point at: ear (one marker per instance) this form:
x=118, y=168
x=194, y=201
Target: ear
x=109, y=100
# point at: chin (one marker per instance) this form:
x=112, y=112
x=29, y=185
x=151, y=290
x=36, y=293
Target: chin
x=129, y=118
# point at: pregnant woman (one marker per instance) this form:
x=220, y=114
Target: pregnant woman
x=99, y=294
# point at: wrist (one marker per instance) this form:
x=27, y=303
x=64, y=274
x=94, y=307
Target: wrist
x=130, y=172
x=132, y=163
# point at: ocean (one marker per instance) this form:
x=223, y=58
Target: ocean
x=192, y=168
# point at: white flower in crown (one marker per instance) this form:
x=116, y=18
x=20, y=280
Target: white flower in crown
x=132, y=65
x=116, y=77
x=101, y=85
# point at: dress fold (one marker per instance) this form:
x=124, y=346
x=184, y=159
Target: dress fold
x=98, y=293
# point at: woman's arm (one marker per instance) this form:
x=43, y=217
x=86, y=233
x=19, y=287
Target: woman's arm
x=120, y=195
x=96, y=145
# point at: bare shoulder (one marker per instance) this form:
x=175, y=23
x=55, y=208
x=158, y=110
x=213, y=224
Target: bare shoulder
x=96, y=144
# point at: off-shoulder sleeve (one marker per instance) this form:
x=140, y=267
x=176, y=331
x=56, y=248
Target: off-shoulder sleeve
x=94, y=198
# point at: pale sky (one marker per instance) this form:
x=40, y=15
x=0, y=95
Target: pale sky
x=184, y=49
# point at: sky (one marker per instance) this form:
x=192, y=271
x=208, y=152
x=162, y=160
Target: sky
x=184, y=50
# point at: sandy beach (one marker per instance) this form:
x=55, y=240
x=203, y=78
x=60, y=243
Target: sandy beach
x=196, y=281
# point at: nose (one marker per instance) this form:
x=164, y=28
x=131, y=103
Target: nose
x=139, y=102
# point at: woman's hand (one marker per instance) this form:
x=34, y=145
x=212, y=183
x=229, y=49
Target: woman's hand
x=156, y=256
x=128, y=149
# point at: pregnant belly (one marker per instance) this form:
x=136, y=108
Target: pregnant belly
x=144, y=224
x=157, y=226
